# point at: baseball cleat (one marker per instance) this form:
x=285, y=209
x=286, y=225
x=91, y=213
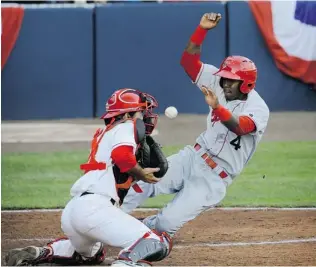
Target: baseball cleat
x=26, y=256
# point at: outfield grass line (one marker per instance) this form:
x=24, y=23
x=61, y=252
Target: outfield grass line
x=156, y=209
x=203, y=244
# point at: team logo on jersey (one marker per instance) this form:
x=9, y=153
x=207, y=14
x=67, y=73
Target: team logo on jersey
x=215, y=118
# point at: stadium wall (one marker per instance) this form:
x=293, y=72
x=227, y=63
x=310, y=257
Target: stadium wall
x=67, y=61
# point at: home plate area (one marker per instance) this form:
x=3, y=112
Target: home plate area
x=232, y=237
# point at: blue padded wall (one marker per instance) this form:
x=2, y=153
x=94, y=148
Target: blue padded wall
x=49, y=73
x=140, y=46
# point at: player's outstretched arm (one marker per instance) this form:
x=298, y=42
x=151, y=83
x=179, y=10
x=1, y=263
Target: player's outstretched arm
x=240, y=125
x=190, y=59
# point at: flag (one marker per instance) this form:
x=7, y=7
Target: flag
x=11, y=22
x=289, y=29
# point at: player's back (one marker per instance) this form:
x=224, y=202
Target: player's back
x=103, y=181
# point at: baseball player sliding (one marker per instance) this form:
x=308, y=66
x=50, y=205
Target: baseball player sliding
x=93, y=217
x=198, y=175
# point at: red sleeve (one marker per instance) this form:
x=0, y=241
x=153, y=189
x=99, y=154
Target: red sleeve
x=246, y=126
x=124, y=158
x=191, y=63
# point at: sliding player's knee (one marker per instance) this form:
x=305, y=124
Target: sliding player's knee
x=167, y=224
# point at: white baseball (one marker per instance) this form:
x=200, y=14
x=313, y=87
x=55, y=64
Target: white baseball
x=171, y=112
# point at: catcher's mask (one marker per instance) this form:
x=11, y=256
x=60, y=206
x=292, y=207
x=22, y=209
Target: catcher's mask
x=130, y=100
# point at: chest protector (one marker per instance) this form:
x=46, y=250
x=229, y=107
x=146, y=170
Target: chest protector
x=123, y=180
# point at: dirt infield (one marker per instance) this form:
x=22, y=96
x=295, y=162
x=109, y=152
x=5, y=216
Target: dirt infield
x=265, y=237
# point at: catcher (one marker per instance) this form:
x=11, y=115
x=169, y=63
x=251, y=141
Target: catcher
x=93, y=216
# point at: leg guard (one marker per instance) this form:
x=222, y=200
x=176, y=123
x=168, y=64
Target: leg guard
x=76, y=258
x=148, y=249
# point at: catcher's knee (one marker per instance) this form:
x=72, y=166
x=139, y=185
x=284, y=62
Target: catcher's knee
x=148, y=248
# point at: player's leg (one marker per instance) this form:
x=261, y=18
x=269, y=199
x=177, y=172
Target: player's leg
x=150, y=247
x=134, y=199
x=27, y=255
x=85, y=221
x=171, y=183
x=93, y=218
x=108, y=224
x=60, y=251
x=81, y=249
x=202, y=190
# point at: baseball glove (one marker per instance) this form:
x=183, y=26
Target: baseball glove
x=150, y=155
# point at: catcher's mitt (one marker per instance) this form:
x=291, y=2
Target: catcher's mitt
x=150, y=155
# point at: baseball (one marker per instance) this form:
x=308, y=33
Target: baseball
x=171, y=112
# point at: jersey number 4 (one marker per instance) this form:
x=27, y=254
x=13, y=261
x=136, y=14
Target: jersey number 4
x=236, y=142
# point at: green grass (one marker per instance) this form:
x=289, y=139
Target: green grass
x=43, y=180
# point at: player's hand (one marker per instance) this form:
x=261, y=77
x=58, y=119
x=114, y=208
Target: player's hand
x=149, y=177
x=210, y=20
x=210, y=97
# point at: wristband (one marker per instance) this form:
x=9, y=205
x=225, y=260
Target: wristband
x=222, y=113
x=198, y=36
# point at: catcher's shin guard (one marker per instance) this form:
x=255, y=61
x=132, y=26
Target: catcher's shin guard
x=148, y=249
x=76, y=258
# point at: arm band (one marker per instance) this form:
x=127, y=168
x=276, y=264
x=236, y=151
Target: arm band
x=198, y=36
x=222, y=113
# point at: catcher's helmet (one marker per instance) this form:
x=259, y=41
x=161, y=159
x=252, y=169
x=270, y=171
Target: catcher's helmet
x=239, y=68
x=130, y=100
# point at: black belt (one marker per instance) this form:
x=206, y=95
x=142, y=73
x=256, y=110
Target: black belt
x=89, y=193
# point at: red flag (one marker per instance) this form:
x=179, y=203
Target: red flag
x=11, y=24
